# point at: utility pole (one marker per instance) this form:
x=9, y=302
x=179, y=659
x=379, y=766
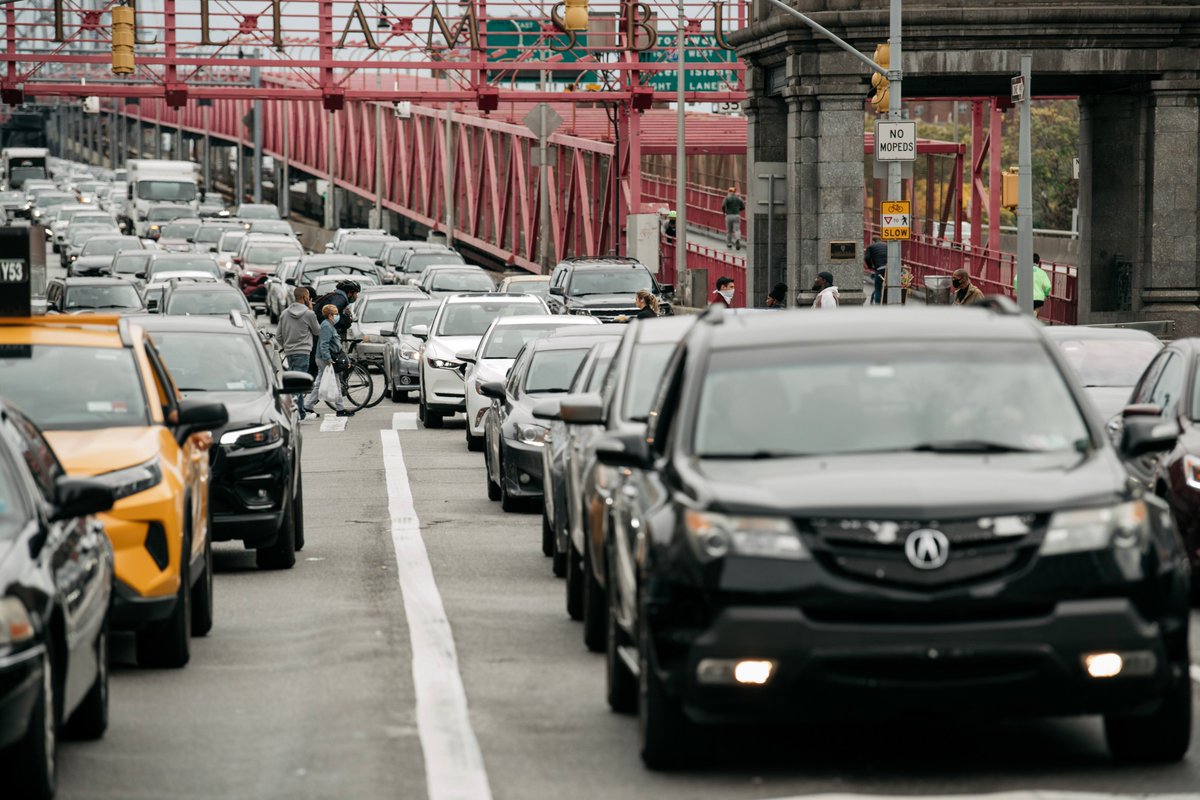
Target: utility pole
x=257, y=132
x=544, y=233
x=681, y=173
x=895, y=168
x=1024, y=268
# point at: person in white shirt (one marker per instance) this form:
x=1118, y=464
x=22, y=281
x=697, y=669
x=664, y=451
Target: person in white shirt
x=827, y=293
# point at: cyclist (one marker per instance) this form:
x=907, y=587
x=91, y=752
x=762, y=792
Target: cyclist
x=329, y=354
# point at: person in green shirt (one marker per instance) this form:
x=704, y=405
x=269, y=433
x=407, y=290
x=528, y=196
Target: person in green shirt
x=1041, y=285
x=732, y=207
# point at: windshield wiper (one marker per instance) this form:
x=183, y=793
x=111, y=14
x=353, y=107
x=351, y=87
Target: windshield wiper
x=968, y=446
x=190, y=389
x=757, y=455
x=547, y=391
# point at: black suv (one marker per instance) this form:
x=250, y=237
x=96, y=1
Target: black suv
x=604, y=287
x=255, y=494
x=896, y=511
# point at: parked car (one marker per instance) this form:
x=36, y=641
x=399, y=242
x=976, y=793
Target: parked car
x=56, y=584
x=402, y=352
x=604, y=287
x=1107, y=361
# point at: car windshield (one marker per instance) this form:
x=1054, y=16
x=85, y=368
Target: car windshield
x=122, y=295
x=363, y=246
x=797, y=400
x=472, y=319
x=280, y=226
x=162, y=214
x=1101, y=362
x=610, y=281
x=230, y=241
x=12, y=197
x=258, y=212
x=473, y=281
x=385, y=309
x=83, y=233
x=646, y=366
x=210, y=234
x=417, y=316
x=211, y=362
x=74, y=388
x=130, y=263
x=180, y=230
x=539, y=288
x=395, y=255
x=166, y=190
x=198, y=264
x=420, y=261
x=553, y=370
x=108, y=246
x=271, y=253
x=507, y=341
x=206, y=303
x=18, y=175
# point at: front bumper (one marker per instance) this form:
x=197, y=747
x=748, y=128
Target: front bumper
x=248, y=492
x=1013, y=667
x=444, y=390
x=131, y=611
x=371, y=353
x=20, y=681
x=522, y=468
x=145, y=530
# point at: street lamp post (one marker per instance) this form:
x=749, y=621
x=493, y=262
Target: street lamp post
x=681, y=236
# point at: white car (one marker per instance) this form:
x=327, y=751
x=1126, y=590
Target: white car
x=458, y=326
x=377, y=308
x=494, y=357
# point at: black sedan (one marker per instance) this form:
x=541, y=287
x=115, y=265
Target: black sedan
x=513, y=438
x=56, y=568
x=255, y=494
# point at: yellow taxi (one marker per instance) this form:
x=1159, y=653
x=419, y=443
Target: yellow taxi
x=99, y=390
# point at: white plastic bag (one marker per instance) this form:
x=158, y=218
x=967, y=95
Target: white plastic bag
x=329, y=391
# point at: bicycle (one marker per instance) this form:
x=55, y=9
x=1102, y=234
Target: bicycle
x=356, y=383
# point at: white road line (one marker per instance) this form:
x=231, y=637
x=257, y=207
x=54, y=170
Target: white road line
x=404, y=421
x=454, y=768
x=1195, y=673
x=1030, y=794
x=333, y=423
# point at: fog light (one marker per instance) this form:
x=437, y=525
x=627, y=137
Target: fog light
x=755, y=673
x=729, y=671
x=1103, y=665
x=523, y=478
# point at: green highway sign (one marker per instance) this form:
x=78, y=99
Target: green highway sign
x=701, y=77
x=510, y=42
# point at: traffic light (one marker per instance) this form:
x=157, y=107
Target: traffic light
x=576, y=16
x=1009, y=183
x=880, y=94
x=122, y=39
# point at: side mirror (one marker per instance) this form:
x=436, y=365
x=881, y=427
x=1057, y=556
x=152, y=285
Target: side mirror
x=78, y=497
x=294, y=382
x=389, y=332
x=420, y=331
x=213, y=250
x=558, y=291
x=582, y=409
x=141, y=276
x=548, y=409
x=236, y=259
x=467, y=356
x=194, y=416
x=667, y=288
x=492, y=389
x=1141, y=410
x=1144, y=435
x=628, y=451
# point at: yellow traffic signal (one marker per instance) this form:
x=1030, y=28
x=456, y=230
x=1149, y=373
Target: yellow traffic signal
x=880, y=95
x=1009, y=183
x=122, y=40
x=576, y=16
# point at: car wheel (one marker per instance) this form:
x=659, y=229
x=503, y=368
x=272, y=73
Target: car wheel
x=574, y=584
x=298, y=510
x=508, y=503
x=33, y=760
x=168, y=643
x=620, y=682
x=282, y=553
x=1159, y=737
x=547, y=536
x=474, y=443
x=431, y=419
x=202, y=595
x=665, y=732
x=90, y=720
x=595, y=606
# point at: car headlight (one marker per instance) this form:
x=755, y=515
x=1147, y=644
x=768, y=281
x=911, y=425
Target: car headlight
x=444, y=363
x=258, y=436
x=1124, y=526
x=371, y=337
x=131, y=480
x=714, y=536
x=15, y=625
x=408, y=355
x=154, y=227
x=583, y=312
x=529, y=433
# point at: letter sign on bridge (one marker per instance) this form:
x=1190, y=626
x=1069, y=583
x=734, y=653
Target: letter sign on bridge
x=895, y=141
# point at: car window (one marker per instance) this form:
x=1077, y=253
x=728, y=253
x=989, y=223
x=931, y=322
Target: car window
x=419, y=261
x=552, y=371
x=609, y=281
x=506, y=342
x=206, y=303
x=646, y=365
x=212, y=362
x=38, y=456
x=14, y=509
x=164, y=213
x=1106, y=362
x=385, y=309
x=472, y=319
x=198, y=264
x=363, y=246
x=599, y=370
x=1145, y=386
x=122, y=295
x=461, y=282
x=109, y=246
x=179, y=230
x=1169, y=386
x=130, y=263
x=76, y=388
x=795, y=400
x=417, y=316
x=230, y=240
x=271, y=253
x=516, y=375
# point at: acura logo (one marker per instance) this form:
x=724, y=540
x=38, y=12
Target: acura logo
x=927, y=548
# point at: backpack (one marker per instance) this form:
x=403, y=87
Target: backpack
x=336, y=299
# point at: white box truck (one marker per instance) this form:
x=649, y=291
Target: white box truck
x=152, y=182
x=20, y=164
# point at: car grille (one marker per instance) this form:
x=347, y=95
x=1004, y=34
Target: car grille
x=875, y=550
x=610, y=314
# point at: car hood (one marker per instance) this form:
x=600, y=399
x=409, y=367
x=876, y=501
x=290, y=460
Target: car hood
x=915, y=485
x=85, y=453
x=373, y=328
x=1109, y=400
x=246, y=409
x=447, y=347
x=604, y=300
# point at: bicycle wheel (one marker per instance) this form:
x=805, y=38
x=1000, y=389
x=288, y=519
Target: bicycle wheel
x=377, y=393
x=357, y=386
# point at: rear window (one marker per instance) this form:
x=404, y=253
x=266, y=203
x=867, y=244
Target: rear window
x=420, y=261
x=206, y=303
x=473, y=319
x=646, y=367
x=506, y=342
x=418, y=316
x=271, y=253
x=474, y=281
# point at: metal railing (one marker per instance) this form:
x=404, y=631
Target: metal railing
x=717, y=263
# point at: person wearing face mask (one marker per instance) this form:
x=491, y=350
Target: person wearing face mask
x=329, y=347
x=723, y=294
x=965, y=292
x=827, y=293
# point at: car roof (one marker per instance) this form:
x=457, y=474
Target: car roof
x=600, y=261
x=595, y=331
x=375, y=290
x=526, y=278
x=82, y=330
x=663, y=329
x=85, y=281
x=536, y=320
x=424, y=304
x=253, y=237
x=219, y=287
x=1099, y=334
x=560, y=344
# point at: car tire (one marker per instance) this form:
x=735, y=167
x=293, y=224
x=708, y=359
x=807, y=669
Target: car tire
x=202, y=595
x=1160, y=737
x=167, y=644
x=90, y=719
x=493, y=488
x=281, y=554
x=574, y=584
x=430, y=419
x=508, y=503
x=558, y=564
x=547, y=536
x=666, y=734
x=298, y=510
x=32, y=761
x=621, y=684
x=474, y=443
x=595, y=607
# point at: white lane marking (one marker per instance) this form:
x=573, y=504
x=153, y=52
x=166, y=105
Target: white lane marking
x=333, y=423
x=1195, y=670
x=404, y=421
x=454, y=768
x=1029, y=794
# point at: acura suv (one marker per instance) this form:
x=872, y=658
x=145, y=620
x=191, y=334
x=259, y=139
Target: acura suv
x=897, y=511
x=604, y=287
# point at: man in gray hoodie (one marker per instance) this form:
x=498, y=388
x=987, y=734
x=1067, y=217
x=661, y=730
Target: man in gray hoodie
x=298, y=328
